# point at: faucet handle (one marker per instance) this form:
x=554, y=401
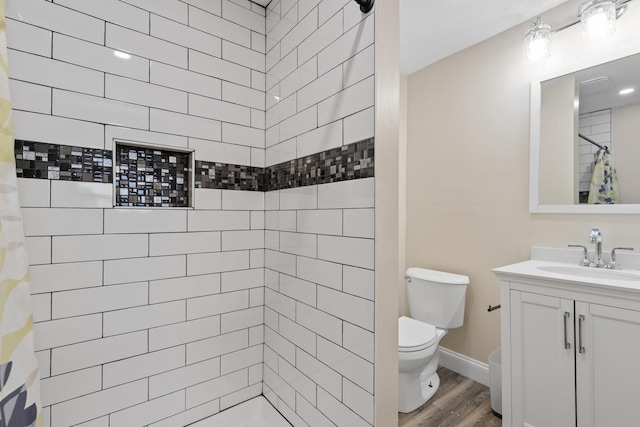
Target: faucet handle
x=612, y=264
x=586, y=262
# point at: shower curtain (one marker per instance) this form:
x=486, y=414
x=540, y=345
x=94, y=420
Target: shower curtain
x=19, y=380
x=604, y=181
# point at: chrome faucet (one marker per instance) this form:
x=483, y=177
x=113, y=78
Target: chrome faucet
x=596, y=237
x=612, y=264
x=586, y=261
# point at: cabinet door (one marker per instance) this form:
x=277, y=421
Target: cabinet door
x=543, y=361
x=607, y=367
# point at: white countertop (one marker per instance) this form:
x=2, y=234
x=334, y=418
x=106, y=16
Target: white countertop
x=531, y=269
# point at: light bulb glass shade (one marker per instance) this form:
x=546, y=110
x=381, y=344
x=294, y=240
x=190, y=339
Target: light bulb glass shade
x=598, y=19
x=537, y=42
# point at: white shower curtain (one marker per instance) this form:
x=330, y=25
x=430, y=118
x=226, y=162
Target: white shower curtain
x=19, y=379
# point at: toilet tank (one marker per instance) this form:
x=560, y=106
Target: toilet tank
x=436, y=297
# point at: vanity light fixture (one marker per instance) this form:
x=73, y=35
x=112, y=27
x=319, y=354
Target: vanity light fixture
x=626, y=91
x=537, y=42
x=598, y=18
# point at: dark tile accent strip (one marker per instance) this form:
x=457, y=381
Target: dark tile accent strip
x=352, y=161
x=226, y=176
x=583, y=197
x=62, y=162
x=152, y=177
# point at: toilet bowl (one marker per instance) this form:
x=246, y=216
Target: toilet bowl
x=438, y=297
x=417, y=362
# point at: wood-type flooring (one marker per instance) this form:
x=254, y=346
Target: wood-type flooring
x=459, y=402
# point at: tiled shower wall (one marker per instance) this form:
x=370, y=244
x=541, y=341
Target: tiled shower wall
x=597, y=126
x=155, y=317
x=143, y=317
x=319, y=258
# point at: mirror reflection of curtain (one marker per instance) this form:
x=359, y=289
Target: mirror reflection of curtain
x=604, y=182
x=20, y=404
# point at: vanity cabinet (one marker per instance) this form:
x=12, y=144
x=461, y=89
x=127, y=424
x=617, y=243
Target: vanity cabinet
x=571, y=354
x=542, y=370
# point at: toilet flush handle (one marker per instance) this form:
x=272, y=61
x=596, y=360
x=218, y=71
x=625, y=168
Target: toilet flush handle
x=407, y=278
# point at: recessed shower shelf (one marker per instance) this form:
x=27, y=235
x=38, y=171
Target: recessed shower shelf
x=148, y=176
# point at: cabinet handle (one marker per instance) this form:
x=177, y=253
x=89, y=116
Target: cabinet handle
x=567, y=344
x=581, y=348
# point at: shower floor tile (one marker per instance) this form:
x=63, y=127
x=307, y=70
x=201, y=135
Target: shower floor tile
x=256, y=412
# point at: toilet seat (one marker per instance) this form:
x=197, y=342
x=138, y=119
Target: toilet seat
x=414, y=335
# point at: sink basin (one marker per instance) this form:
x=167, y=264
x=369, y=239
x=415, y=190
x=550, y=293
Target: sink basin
x=590, y=272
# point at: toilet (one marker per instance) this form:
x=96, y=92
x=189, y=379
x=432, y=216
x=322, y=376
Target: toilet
x=436, y=304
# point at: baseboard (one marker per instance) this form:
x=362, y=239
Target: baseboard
x=464, y=365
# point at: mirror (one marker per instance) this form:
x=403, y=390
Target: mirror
x=580, y=114
x=576, y=112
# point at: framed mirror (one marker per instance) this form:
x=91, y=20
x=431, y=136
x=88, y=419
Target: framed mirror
x=582, y=108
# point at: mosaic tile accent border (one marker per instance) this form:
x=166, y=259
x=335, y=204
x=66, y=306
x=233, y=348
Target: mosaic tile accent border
x=583, y=197
x=352, y=161
x=152, y=177
x=62, y=162
x=226, y=176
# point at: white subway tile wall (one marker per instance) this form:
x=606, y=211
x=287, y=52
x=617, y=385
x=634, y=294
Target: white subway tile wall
x=597, y=127
x=319, y=240
x=143, y=316
x=158, y=317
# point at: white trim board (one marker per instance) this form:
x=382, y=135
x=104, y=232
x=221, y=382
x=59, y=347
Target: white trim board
x=464, y=365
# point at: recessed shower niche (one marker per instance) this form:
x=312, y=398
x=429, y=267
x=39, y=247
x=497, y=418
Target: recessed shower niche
x=152, y=176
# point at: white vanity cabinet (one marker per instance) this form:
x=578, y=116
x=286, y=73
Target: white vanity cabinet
x=570, y=352
x=607, y=370
x=542, y=369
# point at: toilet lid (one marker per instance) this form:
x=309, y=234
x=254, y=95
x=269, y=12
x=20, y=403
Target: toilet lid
x=414, y=335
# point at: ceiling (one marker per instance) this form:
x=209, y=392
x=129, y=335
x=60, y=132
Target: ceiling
x=600, y=85
x=434, y=29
